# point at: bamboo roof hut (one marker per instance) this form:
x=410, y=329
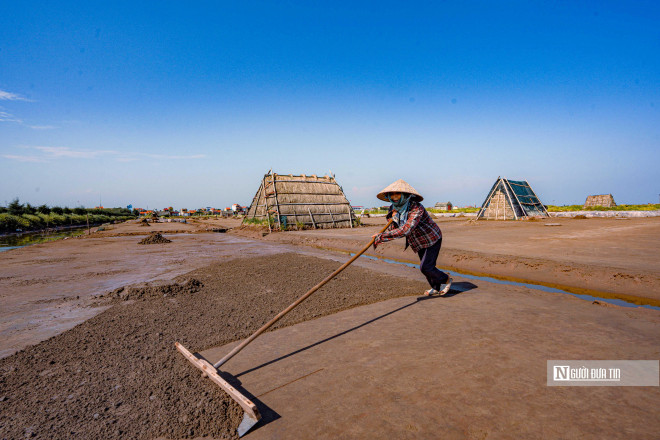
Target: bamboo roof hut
x=312, y=201
x=511, y=200
x=604, y=200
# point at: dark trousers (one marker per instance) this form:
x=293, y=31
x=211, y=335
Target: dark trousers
x=427, y=259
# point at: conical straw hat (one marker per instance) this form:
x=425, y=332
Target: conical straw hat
x=400, y=186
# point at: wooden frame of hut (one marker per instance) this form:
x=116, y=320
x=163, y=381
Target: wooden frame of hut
x=511, y=200
x=286, y=200
x=604, y=200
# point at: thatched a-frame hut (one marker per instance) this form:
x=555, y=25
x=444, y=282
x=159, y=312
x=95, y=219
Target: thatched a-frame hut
x=604, y=200
x=294, y=200
x=511, y=200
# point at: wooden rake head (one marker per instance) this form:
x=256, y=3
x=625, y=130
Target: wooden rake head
x=251, y=415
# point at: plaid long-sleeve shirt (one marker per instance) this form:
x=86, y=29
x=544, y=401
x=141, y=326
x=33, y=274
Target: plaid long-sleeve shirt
x=420, y=231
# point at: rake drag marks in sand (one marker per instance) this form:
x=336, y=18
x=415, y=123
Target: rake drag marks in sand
x=118, y=375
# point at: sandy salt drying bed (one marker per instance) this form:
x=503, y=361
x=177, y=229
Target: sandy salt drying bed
x=118, y=374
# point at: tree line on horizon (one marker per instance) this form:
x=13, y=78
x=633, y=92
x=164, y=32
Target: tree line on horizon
x=17, y=216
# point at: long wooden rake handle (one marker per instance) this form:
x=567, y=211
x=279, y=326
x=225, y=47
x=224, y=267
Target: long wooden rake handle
x=266, y=326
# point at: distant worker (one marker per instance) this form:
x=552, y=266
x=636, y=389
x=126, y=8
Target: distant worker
x=422, y=234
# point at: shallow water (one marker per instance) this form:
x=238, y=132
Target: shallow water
x=540, y=287
x=15, y=241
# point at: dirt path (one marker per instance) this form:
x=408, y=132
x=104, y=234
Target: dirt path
x=117, y=375
x=468, y=366
x=607, y=255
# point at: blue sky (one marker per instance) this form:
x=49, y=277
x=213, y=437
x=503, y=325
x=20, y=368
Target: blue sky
x=166, y=103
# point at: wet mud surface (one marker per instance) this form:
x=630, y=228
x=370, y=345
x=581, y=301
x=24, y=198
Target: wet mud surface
x=92, y=265
x=118, y=375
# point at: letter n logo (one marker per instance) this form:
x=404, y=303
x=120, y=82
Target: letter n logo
x=561, y=372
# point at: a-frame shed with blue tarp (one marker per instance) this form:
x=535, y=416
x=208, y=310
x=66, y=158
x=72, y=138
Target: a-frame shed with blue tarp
x=511, y=200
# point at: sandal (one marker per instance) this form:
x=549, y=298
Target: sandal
x=447, y=287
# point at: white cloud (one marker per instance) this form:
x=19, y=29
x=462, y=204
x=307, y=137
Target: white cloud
x=76, y=154
x=24, y=158
x=168, y=157
x=8, y=96
x=8, y=117
x=42, y=127
x=50, y=153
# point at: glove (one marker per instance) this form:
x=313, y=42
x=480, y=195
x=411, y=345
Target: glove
x=377, y=240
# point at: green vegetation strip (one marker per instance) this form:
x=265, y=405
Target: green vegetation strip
x=648, y=207
x=25, y=217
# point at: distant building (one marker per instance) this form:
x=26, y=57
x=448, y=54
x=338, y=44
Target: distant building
x=511, y=200
x=313, y=201
x=447, y=206
x=604, y=200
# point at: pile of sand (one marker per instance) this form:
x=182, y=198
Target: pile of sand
x=144, y=222
x=154, y=238
x=150, y=291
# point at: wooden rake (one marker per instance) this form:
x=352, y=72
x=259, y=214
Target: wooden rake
x=251, y=415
